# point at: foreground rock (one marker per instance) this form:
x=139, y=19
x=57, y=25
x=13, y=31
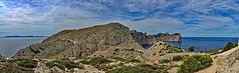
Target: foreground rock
x=228, y=61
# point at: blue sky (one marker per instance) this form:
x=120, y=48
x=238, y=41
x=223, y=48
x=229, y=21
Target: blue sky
x=190, y=17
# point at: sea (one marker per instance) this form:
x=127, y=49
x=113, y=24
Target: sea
x=204, y=43
x=9, y=46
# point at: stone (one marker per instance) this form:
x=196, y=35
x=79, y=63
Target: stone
x=41, y=68
x=56, y=70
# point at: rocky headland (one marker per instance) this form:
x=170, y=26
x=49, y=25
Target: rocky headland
x=112, y=48
x=176, y=37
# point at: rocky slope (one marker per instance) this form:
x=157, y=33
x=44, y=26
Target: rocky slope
x=97, y=40
x=176, y=37
x=228, y=61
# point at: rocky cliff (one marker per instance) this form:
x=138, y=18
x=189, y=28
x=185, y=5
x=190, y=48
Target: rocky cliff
x=97, y=40
x=168, y=37
x=143, y=39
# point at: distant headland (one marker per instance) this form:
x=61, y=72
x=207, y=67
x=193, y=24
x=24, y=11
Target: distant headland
x=20, y=36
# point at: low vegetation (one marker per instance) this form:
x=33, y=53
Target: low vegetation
x=177, y=58
x=96, y=60
x=143, y=68
x=27, y=63
x=213, y=51
x=62, y=64
x=193, y=49
x=195, y=63
x=229, y=46
x=175, y=50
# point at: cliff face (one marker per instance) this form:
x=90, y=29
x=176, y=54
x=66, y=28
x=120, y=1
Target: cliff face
x=82, y=42
x=143, y=39
x=168, y=37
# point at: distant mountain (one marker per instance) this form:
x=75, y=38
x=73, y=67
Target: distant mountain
x=19, y=36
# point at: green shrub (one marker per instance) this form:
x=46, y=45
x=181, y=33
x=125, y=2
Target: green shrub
x=96, y=60
x=213, y=51
x=177, y=58
x=63, y=64
x=229, y=46
x=144, y=68
x=118, y=58
x=27, y=63
x=193, y=49
x=195, y=63
x=134, y=60
x=164, y=61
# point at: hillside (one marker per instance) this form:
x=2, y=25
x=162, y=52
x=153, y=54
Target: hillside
x=83, y=42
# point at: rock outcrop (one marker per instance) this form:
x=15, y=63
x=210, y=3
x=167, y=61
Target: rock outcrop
x=143, y=39
x=168, y=37
x=82, y=42
x=1, y=58
x=228, y=61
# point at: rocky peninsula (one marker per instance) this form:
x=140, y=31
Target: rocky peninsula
x=113, y=48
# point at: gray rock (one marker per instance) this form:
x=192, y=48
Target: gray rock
x=41, y=68
x=56, y=70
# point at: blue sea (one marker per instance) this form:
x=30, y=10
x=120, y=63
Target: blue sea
x=204, y=43
x=9, y=46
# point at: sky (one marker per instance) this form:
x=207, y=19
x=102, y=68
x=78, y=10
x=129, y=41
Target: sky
x=191, y=18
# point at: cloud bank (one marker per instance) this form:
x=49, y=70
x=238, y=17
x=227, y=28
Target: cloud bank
x=189, y=17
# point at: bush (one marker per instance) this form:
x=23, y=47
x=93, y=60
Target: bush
x=192, y=49
x=213, y=51
x=63, y=64
x=229, y=46
x=134, y=60
x=27, y=63
x=195, y=63
x=177, y=58
x=164, y=61
x=118, y=58
x=144, y=68
x=97, y=60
